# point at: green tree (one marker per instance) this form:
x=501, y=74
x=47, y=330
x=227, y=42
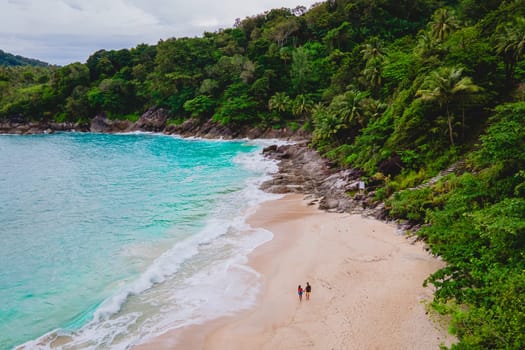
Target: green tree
x=443, y=23
x=328, y=126
x=208, y=87
x=373, y=55
x=200, y=107
x=77, y=105
x=280, y=102
x=301, y=69
x=232, y=69
x=426, y=44
x=237, y=107
x=281, y=31
x=444, y=86
x=302, y=106
x=285, y=53
x=348, y=107
x=340, y=38
x=504, y=141
x=112, y=95
x=510, y=44
x=373, y=50
x=260, y=89
x=373, y=74
x=100, y=65
x=66, y=78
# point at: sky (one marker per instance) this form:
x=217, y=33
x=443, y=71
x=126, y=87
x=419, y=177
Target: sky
x=65, y=31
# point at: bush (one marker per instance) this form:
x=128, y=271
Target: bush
x=411, y=204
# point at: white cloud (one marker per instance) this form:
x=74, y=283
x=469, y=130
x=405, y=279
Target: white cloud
x=63, y=31
x=54, y=17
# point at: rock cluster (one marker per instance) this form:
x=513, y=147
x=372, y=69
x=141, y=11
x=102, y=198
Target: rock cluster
x=153, y=120
x=303, y=170
x=26, y=128
x=101, y=123
x=213, y=130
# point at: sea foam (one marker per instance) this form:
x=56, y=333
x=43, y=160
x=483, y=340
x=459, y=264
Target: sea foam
x=202, y=277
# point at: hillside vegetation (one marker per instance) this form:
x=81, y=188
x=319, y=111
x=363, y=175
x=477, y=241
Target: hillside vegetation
x=7, y=60
x=399, y=89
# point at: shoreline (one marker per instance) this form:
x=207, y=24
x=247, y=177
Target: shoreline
x=153, y=120
x=366, y=288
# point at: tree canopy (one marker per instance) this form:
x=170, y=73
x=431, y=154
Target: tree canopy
x=398, y=89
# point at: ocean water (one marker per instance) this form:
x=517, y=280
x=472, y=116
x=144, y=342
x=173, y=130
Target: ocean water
x=109, y=240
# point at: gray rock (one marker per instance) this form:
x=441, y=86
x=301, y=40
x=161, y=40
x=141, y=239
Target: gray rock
x=152, y=120
x=278, y=189
x=303, y=170
x=102, y=124
x=329, y=203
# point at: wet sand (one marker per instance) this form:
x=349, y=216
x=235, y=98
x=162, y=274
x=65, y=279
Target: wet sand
x=366, y=288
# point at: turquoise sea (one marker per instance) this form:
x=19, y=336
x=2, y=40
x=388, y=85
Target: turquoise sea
x=109, y=240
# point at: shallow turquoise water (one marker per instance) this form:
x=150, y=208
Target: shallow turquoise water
x=84, y=217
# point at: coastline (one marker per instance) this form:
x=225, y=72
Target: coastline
x=153, y=120
x=366, y=288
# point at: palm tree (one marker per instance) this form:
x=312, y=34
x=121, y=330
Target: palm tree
x=374, y=56
x=426, y=45
x=444, y=86
x=327, y=126
x=371, y=108
x=285, y=54
x=301, y=106
x=372, y=73
x=373, y=50
x=443, y=24
x=279, y=102
x=510, y=43
x=348, y=107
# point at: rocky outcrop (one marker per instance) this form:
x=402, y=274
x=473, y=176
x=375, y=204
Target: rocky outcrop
x=208, y=129
x=153, y=120
x=213, y=130
x=68, y=126
x=29, y=128
x=303, y=170
x=102, y=124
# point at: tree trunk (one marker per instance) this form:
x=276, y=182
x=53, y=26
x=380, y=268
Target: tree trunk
x=450, y=132
x=462, y=122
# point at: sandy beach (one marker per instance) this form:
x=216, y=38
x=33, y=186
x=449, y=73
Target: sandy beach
x=366, y=288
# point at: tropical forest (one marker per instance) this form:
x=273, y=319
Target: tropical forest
x=400, y=90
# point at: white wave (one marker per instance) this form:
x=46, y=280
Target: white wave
x=200, y=278
x=269, y=142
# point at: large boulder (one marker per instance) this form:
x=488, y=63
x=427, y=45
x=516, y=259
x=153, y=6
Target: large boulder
x=187, y=128
x=102, y=124
x=152, y=120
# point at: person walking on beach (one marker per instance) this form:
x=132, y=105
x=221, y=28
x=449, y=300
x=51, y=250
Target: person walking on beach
x=300, y=292
x=308, y=290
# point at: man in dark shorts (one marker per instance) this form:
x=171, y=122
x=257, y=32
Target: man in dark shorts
x=308, y=290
